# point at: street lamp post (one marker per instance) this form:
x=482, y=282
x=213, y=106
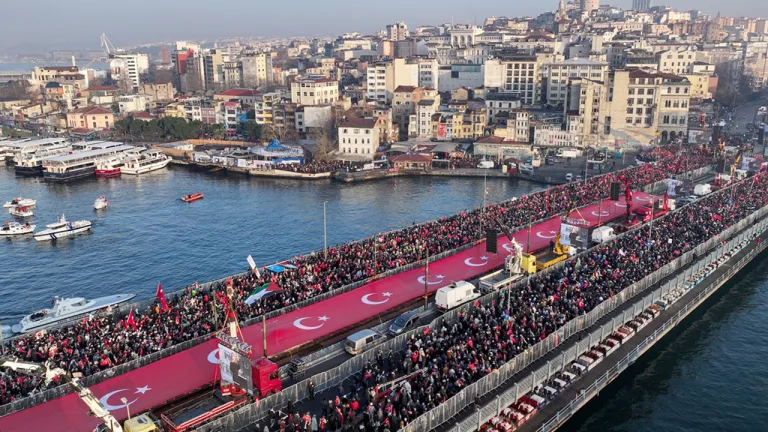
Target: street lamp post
x=127, y=406
x=325, y=229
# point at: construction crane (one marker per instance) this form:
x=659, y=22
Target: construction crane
x=107, y=45
x=82, y=391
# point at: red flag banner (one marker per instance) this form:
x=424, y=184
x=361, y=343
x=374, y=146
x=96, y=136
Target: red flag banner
x=161, y=295
x=130, y=321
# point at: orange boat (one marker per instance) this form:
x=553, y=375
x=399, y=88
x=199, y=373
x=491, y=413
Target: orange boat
x=191, y=198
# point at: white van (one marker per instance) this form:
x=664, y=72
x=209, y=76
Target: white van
x=485, y=164
x=569, y=177
x=603, y=234
x=362, y=340
x=455, y=294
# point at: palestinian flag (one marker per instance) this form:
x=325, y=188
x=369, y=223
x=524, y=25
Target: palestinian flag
x=267, y=289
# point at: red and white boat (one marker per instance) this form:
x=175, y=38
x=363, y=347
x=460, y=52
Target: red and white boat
x=192, y=197
x=110, y=166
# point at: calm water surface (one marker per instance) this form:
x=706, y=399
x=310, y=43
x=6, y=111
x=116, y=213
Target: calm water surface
x=147, y=235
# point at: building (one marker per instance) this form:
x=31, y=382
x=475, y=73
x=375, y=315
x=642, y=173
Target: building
x=245, y=96
x=587, y=6
x=382, y=78
x=257, y=69
x=90, y=118
x=314, y=91
x=213, y=63
x=42, y=75
x=194, y=79
x=359, y=137
x=676, y=62
x=158, y=92
x=233, y=74
x=516, y=75
x=128, y=68
x=460, y=75
x=585, y=107
x=548, y=135
x=132, y=103
x=233, y=115
x=641, y=5
x=425, y=109
x=674, y=102
x=559, y=73
x=312, y=117
x=397, y=31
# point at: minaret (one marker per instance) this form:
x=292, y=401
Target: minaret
x=560, y=11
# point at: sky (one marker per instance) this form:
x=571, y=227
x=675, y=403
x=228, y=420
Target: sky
x=52, y=24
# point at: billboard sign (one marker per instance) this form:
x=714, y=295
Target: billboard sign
x=442, y=130
x=235, y=362
x=571, y=235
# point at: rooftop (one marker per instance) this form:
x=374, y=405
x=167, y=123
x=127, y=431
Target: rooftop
x=404, y=89
x=91, y=110
x=359, y=123
x=239, y=92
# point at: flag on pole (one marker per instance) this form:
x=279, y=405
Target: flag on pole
x=130, y=321
x=268, y=288
x=161, y=295
x=252, y=263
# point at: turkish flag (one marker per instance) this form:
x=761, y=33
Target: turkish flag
x=130, y=321
x=161, y=295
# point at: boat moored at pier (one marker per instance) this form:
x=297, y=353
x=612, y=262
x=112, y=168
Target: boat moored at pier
x=80, y=164
x=31, y=164
x=140, y=161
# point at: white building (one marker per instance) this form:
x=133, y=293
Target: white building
x=135, y=64
x=397, y=31
x=460, y=75
x=133, y=103
x=257, y=69
x=384, y=77
x=518, y=75
x=314, y=91
x=676, y=62
x=359, y=137
x=546, y=135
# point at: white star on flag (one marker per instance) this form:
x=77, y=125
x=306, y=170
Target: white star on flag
x=439, y=276
x=387, y=294
x=143, y=390
x=323, y=318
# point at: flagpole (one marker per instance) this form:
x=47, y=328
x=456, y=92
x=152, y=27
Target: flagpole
x=426, y=281
x=264, y=332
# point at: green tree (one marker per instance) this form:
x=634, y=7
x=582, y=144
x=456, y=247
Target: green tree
x=252, y=129
x=122, y=126
x=217, y=131
x=136, y=127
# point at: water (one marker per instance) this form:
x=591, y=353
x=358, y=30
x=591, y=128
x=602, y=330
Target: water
x=147, y=235
x=708, y=375
x=28, y=66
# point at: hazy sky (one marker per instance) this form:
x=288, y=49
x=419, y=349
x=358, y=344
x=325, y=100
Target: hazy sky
x=42, y=23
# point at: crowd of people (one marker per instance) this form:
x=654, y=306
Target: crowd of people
x=96, y=344
x=436, y=365
x=317, y=167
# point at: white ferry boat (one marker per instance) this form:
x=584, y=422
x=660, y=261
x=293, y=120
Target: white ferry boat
x=140, y=161
x=9, y=148
x=64, y=308
x=22, y=148
x=80, y=164
x=31, y=164
x=14, y=228
x=19, y=201
x=62, y=228
x=110, y=166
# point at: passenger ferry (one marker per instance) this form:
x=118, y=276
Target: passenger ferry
x=80, y=164
x=31, y=164
x=11, y=149
x=110, y=166
x=140, y=161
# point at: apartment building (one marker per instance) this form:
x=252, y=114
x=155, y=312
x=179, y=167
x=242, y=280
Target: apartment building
x=517, y=75
x=213, y=61
x=559, y=73
x=133, y=103
x=586, y=107
x=134, y=65
x=314, y=91
x=382, y=78
x=91, y=117
x=500, y=102
x=676, y=62
x=359, y=137
x=257, y=69
x=397, y=31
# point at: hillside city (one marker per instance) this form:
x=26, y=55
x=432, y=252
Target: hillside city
x=583, y=74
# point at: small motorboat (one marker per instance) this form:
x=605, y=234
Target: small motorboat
x=192, y=197
x=101, y=203
x=21, y=212
x=19, y=202
x=15, y=228
x=62, y=228
x=65, y=308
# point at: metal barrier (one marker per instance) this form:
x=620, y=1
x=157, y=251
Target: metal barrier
x=54, y=393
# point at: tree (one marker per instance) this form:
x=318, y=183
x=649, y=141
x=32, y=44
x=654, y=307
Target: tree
x=252, y=130
x=122, y=126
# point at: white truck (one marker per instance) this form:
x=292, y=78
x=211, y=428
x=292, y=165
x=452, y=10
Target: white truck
x=455, y=294
x=603, y=234
x=568, y=153
x=487, y=164
x=702, y=189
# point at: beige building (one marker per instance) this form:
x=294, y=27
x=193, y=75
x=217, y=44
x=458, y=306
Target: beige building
x=158, y=92
x=383, y=78
x=675, y=99
x=213, y=62
x=42, y=75
x=586, y=108
x=699, y=85
x=314, y=91
x=559, y=73
x=90, y=118
x=257, y=69
x=517, y=75
x=397, y=31
x=359, y=137
x=676, y=62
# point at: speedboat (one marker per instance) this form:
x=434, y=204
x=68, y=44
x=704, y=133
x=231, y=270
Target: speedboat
x=21, y=212
x=65, y=308
x=20, y=202
x=101, y=203
x=192, y=197
x=62, y=228
x=15, y=228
